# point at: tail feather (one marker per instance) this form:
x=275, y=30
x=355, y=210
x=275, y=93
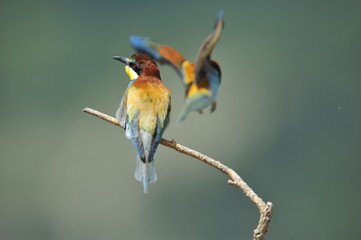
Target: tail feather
x=196, y=102
x=145, y=169
x=145, y=173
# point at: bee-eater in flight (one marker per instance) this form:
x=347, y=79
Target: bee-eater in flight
x=200, y=79
x=144, y=112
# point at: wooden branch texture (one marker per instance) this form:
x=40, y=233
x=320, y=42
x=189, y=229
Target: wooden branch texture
x=265, y=209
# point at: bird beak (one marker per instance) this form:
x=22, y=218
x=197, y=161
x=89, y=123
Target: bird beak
x=122, y=59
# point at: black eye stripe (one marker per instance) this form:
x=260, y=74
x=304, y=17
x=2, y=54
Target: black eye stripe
x=135, y=67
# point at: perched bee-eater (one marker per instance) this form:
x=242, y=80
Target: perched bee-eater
x=144, y=112
x=200, y=79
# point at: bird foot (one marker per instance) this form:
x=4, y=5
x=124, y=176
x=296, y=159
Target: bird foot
x=214, y=106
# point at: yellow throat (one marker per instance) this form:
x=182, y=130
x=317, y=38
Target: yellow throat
x=131, y=73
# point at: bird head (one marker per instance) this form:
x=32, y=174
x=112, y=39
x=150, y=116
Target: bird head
x=139, y=64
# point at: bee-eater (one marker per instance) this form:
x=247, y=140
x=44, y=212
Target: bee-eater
x=144, y=112
x=200, y=79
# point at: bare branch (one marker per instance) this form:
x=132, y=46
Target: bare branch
x=265, y=209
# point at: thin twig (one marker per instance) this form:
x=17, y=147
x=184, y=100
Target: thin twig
x=265, y=209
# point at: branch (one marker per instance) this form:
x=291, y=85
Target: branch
x=265, y=209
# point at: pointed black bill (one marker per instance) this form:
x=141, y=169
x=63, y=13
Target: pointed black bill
x=122, y=59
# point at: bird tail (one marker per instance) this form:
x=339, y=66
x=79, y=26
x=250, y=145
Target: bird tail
x=145, y=173
x=196, y=102
x=183, y=115
x=145, y=169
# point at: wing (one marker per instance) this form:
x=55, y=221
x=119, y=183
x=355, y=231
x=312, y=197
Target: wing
x=129, y=120
x=208, y=45
x=161, y=53
x=145, y=170
x=120, y=113
x=162, y=123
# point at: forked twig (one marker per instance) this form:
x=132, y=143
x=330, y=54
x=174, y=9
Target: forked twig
x=265, y=209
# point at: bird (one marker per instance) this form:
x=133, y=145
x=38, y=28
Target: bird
x=201, y=79
x=144, y=112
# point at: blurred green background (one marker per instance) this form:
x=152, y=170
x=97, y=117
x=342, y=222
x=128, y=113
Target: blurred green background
x=288, y=121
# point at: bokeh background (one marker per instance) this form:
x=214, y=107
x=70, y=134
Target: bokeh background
x=288, y=121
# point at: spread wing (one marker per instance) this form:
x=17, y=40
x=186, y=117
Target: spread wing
x=162, y=53
x=204, y=54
